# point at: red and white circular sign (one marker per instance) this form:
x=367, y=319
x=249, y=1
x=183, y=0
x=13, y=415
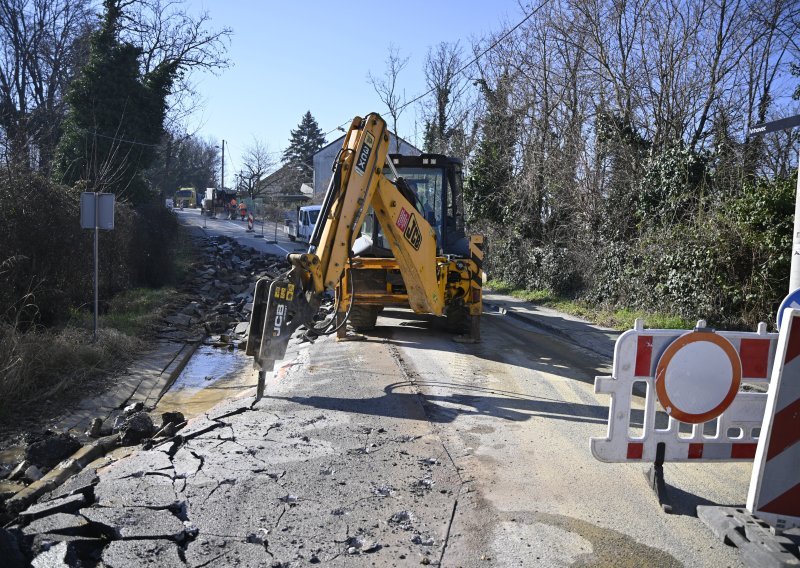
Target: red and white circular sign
x=698, y=376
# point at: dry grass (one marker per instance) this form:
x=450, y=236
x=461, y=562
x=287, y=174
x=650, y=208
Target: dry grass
x=38, y=365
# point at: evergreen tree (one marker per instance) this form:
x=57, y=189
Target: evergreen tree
x=305, y=141
x=116, y=115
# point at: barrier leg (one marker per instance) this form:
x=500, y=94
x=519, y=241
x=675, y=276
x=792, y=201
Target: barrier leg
x=655, y=478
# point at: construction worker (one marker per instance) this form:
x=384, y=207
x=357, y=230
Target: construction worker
x=243, y=210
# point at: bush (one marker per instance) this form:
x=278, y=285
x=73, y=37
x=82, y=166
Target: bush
x=730, y=267
x=46, y=268
x=518, y=261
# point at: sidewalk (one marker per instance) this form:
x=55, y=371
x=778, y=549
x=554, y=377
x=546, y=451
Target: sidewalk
x=144, y=381
x=595, y=338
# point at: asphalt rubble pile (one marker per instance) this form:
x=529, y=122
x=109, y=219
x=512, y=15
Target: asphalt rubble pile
x=220, y=287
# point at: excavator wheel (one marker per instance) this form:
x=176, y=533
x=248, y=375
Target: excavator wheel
x=363, y=318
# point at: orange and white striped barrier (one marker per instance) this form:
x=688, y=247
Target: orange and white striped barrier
x=697, y=405
x=774, y=494
x=250, y=221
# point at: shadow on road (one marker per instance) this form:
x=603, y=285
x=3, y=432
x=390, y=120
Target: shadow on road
x=468, y=401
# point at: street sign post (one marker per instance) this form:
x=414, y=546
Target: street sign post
x=97, y=212
x=774, y=126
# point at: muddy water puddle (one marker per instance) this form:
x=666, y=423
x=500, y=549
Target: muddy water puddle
x=211, y=376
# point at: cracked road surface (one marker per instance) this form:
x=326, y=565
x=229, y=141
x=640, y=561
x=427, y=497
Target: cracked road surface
x=402, y=450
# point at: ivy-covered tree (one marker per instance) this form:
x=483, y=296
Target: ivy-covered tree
x=492, y=168
x=116, y=115
x=304, y=142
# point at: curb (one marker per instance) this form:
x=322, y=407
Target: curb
x=178, y=363
x=536, y=321
x=63, y=471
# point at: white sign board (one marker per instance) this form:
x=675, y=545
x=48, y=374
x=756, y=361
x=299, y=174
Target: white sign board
x=105, y=210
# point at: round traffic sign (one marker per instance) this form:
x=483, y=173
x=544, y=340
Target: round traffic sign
x=698, y=376
x=790, y=301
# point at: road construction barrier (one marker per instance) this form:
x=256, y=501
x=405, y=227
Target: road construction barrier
x=699, y=403
x=774, y=494
x=250, y=221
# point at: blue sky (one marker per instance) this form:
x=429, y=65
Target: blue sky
x=290, y=57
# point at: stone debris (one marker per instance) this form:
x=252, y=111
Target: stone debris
x=19, y=471
x=173, y=417
x=68, y=504
x=59, y=523
x=136, y=428
x=384, y=490
x=95, y=430
x=418, y=539
x=402, y=519
x=132, y=409
x=290, y=499
x=51, y=449
x=33, y=473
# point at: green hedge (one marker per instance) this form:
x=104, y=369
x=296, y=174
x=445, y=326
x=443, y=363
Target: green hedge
x=46, y=259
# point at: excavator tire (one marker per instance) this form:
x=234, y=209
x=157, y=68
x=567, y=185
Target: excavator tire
x=363, y=318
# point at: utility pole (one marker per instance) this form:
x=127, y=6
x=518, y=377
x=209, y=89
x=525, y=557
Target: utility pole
x=222, y=181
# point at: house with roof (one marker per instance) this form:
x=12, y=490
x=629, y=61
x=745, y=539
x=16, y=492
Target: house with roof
x=323, y=159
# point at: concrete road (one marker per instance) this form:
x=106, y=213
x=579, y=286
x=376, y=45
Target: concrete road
x=409, y=449
x=516, y=413
x=264, y=241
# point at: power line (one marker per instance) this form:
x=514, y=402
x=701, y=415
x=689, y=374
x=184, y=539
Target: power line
x=481, y=54
x=117, y=139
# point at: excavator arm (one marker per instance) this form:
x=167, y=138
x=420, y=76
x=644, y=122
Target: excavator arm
x=359, y=182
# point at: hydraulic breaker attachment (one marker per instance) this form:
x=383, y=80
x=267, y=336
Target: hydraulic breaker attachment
x=280, y=306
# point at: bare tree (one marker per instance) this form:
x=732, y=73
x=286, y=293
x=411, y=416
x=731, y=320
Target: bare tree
x=448, y=111
x=42, y=44
x=166, y=32
x=387, y=88
x=257, y=162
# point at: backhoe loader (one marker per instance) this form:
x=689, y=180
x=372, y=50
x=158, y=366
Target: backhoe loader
x=390, y=232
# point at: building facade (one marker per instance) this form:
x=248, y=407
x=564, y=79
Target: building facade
x=323, y=159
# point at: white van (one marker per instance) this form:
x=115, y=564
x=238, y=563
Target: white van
x=301, y=228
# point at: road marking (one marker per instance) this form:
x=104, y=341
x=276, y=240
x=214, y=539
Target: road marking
x=280, y=247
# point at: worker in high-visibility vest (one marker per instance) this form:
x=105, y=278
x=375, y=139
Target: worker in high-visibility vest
x=243, y=210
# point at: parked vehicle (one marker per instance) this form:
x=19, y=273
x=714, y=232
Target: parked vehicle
x=185, y=197
x=302, y=227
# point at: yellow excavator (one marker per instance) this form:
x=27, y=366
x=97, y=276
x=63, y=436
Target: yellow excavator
x=390, y=232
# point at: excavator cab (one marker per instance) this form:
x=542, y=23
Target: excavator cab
x=432, y=183
x=435, y=182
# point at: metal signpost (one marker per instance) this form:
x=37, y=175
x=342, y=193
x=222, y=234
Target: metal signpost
x=97, y=212
x=767, y=127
